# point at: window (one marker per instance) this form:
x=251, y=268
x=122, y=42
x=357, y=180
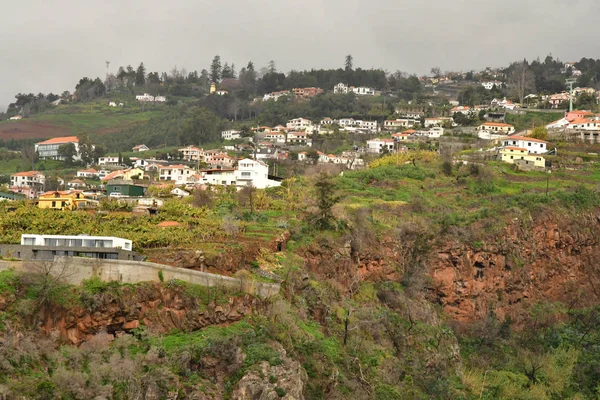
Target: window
x=53, y=204
x=29, y=241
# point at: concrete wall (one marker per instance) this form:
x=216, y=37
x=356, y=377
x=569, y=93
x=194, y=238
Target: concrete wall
x=74, y=270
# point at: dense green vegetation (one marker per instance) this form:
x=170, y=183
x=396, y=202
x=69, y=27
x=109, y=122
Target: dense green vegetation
x=355, y=338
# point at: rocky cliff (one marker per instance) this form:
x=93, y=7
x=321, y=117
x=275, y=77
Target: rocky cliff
x=159, y=308
x=547, y=259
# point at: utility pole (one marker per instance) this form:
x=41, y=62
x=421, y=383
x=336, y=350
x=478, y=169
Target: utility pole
x=570, y=82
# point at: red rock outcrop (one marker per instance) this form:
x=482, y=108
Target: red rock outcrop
x=545, y=260
x=159, y=308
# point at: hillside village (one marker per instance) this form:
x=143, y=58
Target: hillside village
x=343, y=233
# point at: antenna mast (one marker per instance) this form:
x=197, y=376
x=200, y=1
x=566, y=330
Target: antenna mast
x=570, y=82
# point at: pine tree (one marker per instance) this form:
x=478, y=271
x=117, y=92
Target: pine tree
x=140, y=75
x=215, y=69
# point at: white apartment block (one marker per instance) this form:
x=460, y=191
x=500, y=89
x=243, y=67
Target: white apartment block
x=231, y=134
x=29, y=179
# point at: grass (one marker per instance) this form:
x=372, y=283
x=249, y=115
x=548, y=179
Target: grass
x=97, y=116
x=201, y=338
x=530, y=119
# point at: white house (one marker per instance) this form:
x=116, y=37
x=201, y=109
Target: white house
x=340, y=88
x=380, y=145
x=192, y=153
x=494, y=130
x=140, y=147
x=363, y=91
x=87, y=173
x=276, y=95
x=534, y=146
x=299, y=139
x=299, y=124
x=178, y=174
x=112, y=104
x=231, y=134
x=489, y=85
x=160, y=99
x=144, y=97
x=558, y=124
x=504, y=103
x=76, y=184
x=179, y=192
x=435, y=132
x=255, y=173
x=49, y=148
x=392, y=124
x=464, y=110
x=369, y=125
x=108, y=160
x=16, y=117
x=438, y=121
x=29, y=179
x=275, y=137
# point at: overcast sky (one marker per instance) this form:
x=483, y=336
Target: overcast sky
x=48, y=45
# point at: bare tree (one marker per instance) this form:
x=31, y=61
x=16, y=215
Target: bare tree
x=46, y=277
x=520, y=80
x=246, y=197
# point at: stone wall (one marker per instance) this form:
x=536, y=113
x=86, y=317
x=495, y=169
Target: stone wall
x=75, y=269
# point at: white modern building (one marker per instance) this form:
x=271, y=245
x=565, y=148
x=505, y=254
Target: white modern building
x=87, y=173
x=340, y=88
x=49, y=148
x=231, y=134
x=489, y=85
x=255, y=173
x=76, y=241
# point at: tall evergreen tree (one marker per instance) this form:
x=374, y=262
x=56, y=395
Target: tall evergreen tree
x=140, y=75
x=215, y=69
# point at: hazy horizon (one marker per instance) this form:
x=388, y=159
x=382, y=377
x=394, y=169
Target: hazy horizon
x=50, y=48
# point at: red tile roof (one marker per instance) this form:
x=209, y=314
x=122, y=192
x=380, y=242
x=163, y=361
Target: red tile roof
x=527, y=139
x=58, y=140
x=496, y=124
x=28, y=173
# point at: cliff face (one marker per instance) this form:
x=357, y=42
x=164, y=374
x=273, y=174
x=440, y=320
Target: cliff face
x=544, y=260
x=160, y=309
x=551, y=258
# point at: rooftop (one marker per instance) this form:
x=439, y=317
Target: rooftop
x=58, y=140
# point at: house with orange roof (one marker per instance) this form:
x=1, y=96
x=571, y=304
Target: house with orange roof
x=464, y=110
x=192, y=153
x=125, y=174
x=532, y=145
x=140, y=147
x=522, y=157
x=29, y=179
x=63, y=200
x=439, y=121
x=87, y=173
x=48, y=150
x=494, y=130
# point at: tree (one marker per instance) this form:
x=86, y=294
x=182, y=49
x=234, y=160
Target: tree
x=520, y=80
x=86, y=149
x=539, y=132
x=140, y=75
x=30, y=156
x=67, y=151
x=326, y=199
x=215, y=69
x=436, y=72
x=349, y=62
x=272, y=68
x=246, y=197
